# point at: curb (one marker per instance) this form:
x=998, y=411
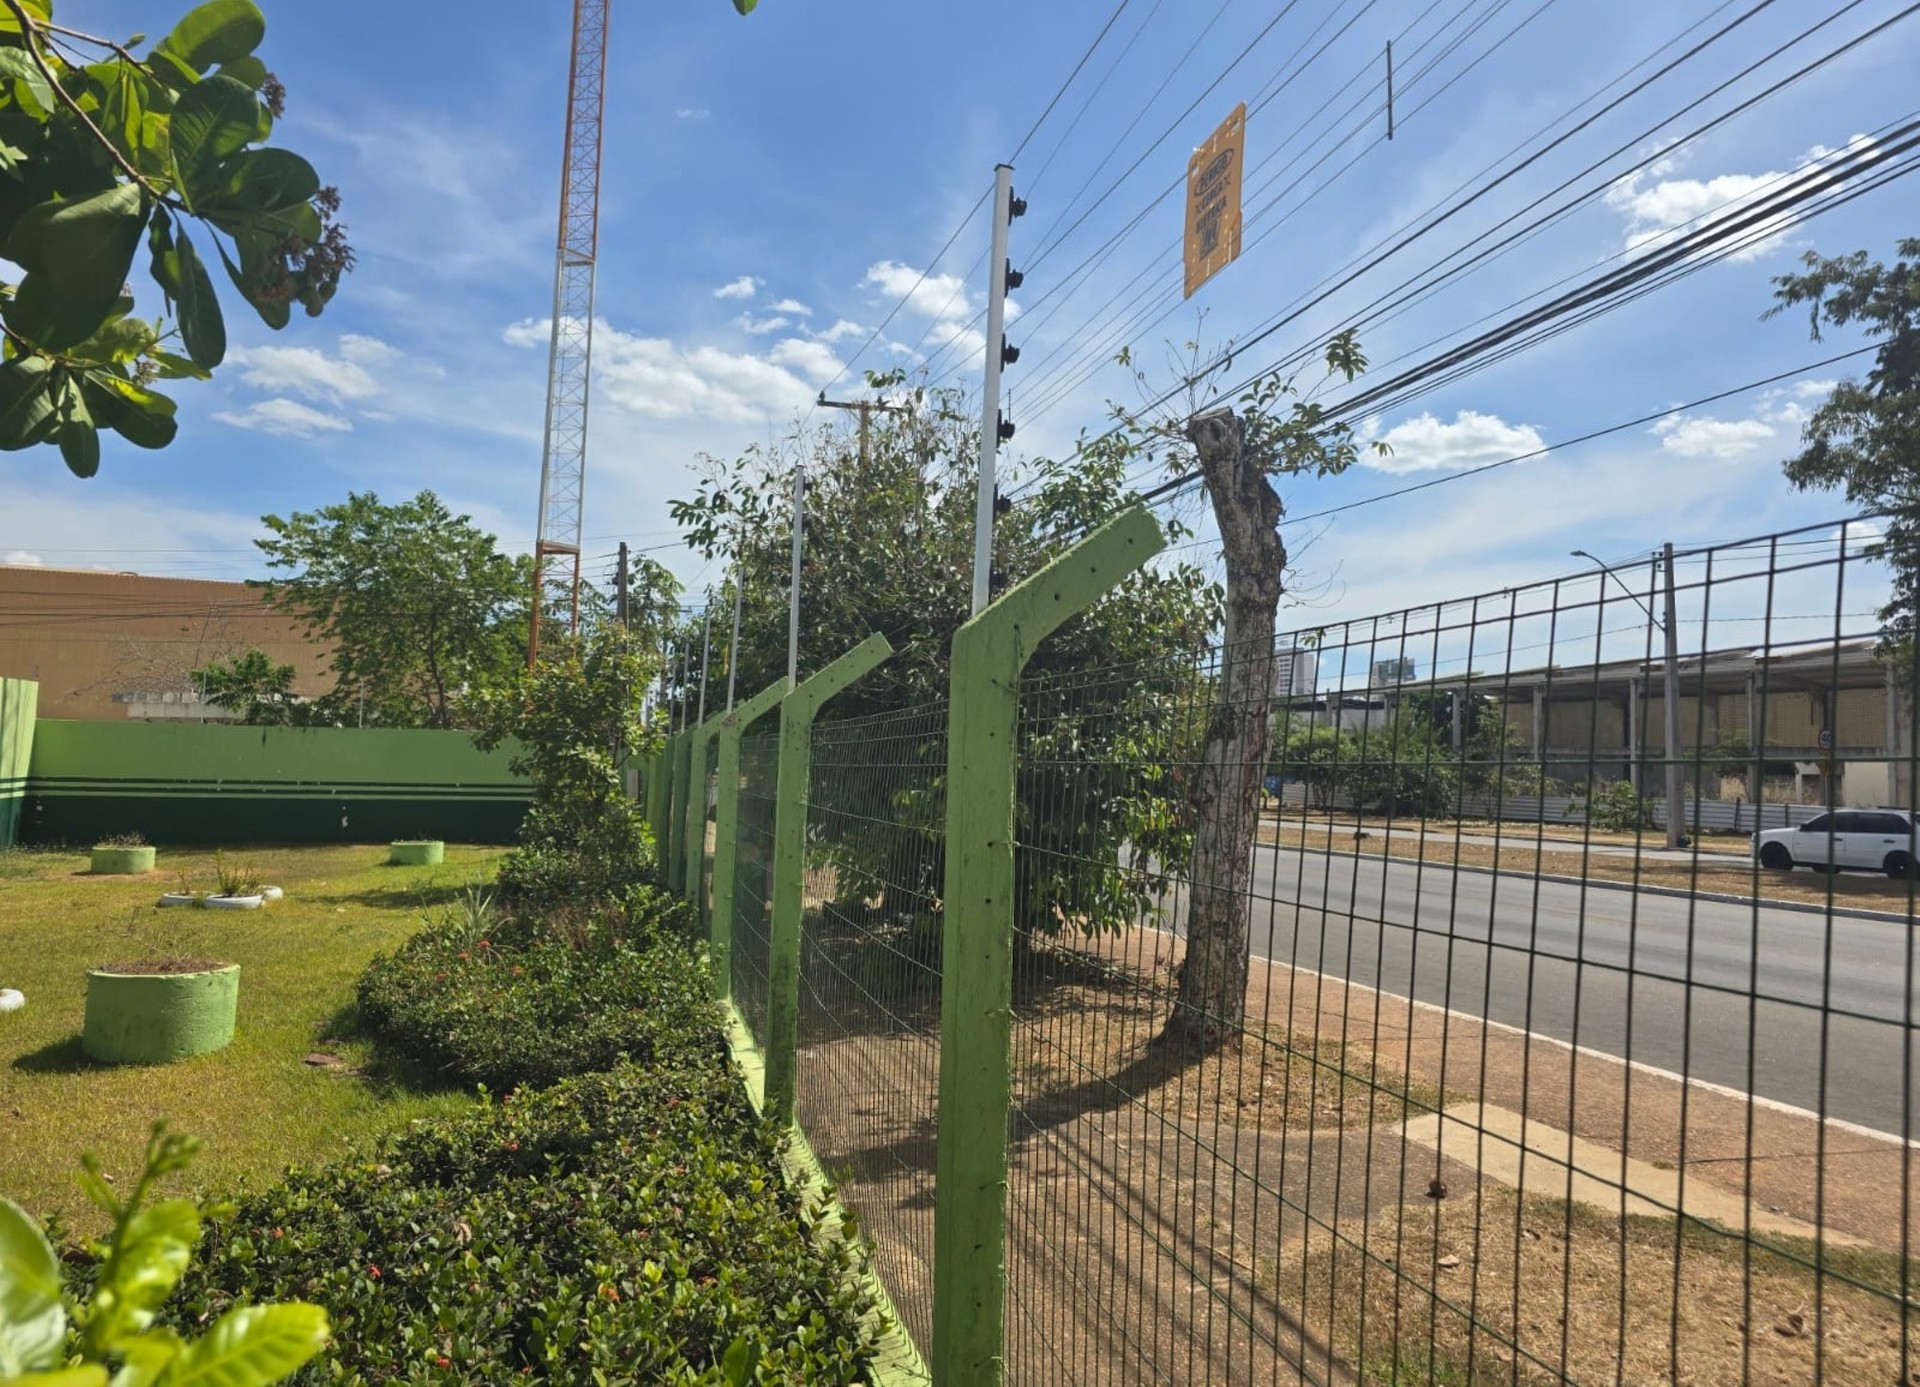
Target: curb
x=898, y=1363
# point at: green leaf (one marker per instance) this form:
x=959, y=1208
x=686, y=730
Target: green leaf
x=250, y=1345
x=145, y=418
x=147, y=1358
x=260, y=180
x=38, y=9
x=745, y=6
x=86, y=1375
x=77, y=255
x=15, y=64
x=220, y=31
x=147, y=1260
x=249, y=70
x=119, y=340
x=202, y=328
x=213, y=118
x=32, y=1324
x=80, y=448
x=26, y=402
x=177, y=367
x=258, y=260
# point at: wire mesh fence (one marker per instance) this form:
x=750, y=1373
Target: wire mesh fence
x=1436, y=997
x=1510, y=1090
x=869, y=1015
x=752, y=947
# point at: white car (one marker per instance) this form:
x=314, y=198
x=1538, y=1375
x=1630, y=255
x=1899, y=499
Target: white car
x=1846, y=840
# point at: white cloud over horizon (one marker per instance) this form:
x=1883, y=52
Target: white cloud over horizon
x=1425, y=443
x=744, y=287
x=287, y=418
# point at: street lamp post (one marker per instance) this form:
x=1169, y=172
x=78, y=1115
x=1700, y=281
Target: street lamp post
x=1670, y=629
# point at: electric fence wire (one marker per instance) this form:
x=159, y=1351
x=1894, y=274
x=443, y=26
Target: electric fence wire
x=1372, y=311
x=1403, y=293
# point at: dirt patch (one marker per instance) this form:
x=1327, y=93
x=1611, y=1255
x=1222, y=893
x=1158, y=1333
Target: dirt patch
x=161, y=967
x=1091, y=1041
x=1499, y=1288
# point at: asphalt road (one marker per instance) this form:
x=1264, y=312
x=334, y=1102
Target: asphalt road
x=1787, y=1005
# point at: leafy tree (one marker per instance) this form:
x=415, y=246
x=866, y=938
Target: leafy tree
x=584, y=838
x=1865, y=438
x=101, y=152
x=417, y=603
x=253, y=685
x=890, y=549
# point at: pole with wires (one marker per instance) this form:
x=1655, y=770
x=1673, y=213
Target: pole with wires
x=994, y=430
x=793, y=593
x=733, y=645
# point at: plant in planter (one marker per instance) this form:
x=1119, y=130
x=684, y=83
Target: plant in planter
x=416, y=852
x=162, y=1004
x=124, y=854
x=239, y=887
x=138, y=1265
x=184, y=892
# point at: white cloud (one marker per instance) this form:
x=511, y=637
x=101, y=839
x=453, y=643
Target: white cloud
x=287, y=417
x=759, y=327
x=1773, y=427
x=793, y=306
x=20, y=558
x=813, y=360
x=691, y=113
x=1659, y=208
x=313, y=373
x=1424, y=442
x=1714, y=438
x=844, y=327
x=744, y=287
x=942, y=298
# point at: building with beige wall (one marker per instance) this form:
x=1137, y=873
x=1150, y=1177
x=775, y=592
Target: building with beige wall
x=116, y=646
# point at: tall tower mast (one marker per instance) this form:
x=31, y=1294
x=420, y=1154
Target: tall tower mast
x=563, y=461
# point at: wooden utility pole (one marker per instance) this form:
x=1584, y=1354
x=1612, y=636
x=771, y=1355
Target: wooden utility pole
x=866, y=409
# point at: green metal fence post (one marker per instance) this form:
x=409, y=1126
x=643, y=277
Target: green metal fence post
x=681, y=771
x=726, y=838
x=976, y=995
x=797, y=711
x=693, y=875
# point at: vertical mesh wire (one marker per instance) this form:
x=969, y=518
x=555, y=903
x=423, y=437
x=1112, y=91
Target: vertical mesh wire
x=753, y=880
x=869, y=1019
x=1514, y=1091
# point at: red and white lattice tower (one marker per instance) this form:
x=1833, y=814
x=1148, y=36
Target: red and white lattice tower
x=563, y=462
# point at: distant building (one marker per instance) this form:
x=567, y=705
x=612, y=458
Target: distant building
x=1391, y=673
x=117, y=646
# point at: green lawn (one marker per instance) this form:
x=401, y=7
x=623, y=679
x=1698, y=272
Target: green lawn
x=257, y=1104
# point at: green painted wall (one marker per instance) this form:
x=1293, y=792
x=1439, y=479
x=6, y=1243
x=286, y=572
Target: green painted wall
x=18, y=699
x=209, y=783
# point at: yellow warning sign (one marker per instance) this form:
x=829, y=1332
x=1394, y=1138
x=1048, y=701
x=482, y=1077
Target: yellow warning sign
x=1213, y=200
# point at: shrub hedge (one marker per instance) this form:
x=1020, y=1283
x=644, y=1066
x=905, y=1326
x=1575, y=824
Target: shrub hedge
x=521, y=1001
x=626, y=1227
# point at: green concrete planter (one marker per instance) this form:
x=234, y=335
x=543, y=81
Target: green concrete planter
x=121, y=861
x=154, y=1017
x=417, y=852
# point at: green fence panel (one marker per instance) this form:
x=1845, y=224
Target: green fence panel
x=989, y=652
x=680, y=770
x=18, y=700
x=726, y=839
x=797, y=712
x=179, y=783
x=699, y=761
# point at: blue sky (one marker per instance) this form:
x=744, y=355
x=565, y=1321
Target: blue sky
x=773, y=185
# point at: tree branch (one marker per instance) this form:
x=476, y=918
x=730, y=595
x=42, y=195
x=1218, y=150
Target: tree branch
x=30, y=30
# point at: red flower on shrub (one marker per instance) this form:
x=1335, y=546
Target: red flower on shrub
x=486, y=944
x=373, y=1272
x=465, y=956
x=443, y=1362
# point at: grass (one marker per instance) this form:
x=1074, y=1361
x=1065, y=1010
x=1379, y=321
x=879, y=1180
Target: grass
x=257, y=1104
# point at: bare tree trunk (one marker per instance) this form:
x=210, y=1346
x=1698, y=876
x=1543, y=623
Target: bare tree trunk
x=1212, y=1001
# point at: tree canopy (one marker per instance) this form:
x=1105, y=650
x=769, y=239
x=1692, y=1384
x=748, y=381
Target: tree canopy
x=102, y=152
x=1864, y=439
x=417, y=603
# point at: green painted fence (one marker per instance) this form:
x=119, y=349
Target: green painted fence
x=18, y=699
x=224, y=784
